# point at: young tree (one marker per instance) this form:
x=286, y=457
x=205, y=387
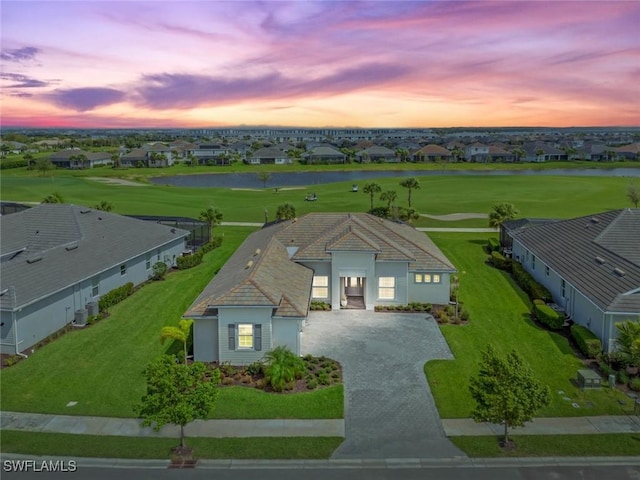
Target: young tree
x=633, y=194
x=282, y=367
x=501, y=213
x=104, y=206
x=115, y=158
x=371, y=189
x=43, y=165
x=410, y=184
x=628, y=341
x=177, y=393
x=264, y=177
x=213, y=217
x=159, y=270
x=179, y=333
x=55, y=197
x=286, y=211
x=519, y=153
x=389, y=196
x=506, y=392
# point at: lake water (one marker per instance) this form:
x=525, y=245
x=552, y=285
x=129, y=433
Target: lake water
x=298, y=179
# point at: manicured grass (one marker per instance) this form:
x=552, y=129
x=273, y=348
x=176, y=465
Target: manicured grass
x=101, y=367
x=534, y=196
x=70, y=445
x=500, y=315
x=243, y=402
x=552, y=445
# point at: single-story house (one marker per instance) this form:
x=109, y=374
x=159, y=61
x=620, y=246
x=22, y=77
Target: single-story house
x=260, y=298
x=269, y=155
x=152, y=155
x=431, y=153
x=377, y=154
x=324, y=154
x=57, y=260
x=74, y=158
x=591, y=266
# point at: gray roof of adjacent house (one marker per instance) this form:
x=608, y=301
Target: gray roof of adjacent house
x=377, y=150
x=53, y=246
x=269, y=152
x=71, y=152
x=259, y=273
x=326, y=151
x=598, y=254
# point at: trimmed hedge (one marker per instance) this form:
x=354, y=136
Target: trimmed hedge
x=493, y=244
x=499, y=261
x=548, y=316
x=194, y=260
x=115, y=296
x=529, y=284
x=7, y=164
x=586, y=340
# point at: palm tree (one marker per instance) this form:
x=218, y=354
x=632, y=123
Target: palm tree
x=282, y=367
x=286, y=211
x=628, y=341
x=501, y=213
x=457, y=153
x=55, y=197
x=179, y=333
x=410, y=184
x=115, y=158
x=519, y=153
x=371, y=189
x=213, y=217
x=633, y=193
x=104, y=206
x=389, y=196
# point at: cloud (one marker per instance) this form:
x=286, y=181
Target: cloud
x=19, y=54
x=23, y=81
x=21, y=94
x=170, y=90
x=84, y=99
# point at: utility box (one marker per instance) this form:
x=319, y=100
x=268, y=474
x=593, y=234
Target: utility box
x=93, y=309
x=588, y=379
x=81, y=317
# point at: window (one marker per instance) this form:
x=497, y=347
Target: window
x=158, y=255
x=148, y=264
x=95, y=286
x=387, y=288
x=533, y=262
x=123, y=269
x=245, y=335
x=320, y=287
x=426, y=278
x=546, y=271
x=564, y=285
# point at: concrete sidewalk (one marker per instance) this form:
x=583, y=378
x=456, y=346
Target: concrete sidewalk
x=455, y=427
x=130, y=427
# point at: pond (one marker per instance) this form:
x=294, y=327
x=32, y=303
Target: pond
x=297, y=179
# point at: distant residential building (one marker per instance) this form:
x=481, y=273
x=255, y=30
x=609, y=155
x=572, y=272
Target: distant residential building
x=477, y=152
x=74, y=158
x=431, y=153
x=377, y=154
x=269, y=156
x=324, y=154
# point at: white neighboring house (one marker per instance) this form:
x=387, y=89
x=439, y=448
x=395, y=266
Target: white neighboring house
x=57, y=260
x=591, y=266
x=260, y=298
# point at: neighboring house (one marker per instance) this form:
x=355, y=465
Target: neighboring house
x=269, y=155
x=58, y=260
x=135, y=158
x=377, y=154
x=324, y=154
x=500, y=154
x=260, y=298
x=542, y=152
x=628, y=152
x=74, y=158
x=210, y=154
x=155, y=155
x=431, y=153
x=591, y=266
x=476, y=152
x=511, y=227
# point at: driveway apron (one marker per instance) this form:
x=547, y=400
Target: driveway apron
x=389, y=409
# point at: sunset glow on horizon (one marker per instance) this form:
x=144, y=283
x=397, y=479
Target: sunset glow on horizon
x=95, y=64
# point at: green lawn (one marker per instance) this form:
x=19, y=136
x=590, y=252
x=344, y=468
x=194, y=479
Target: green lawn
x=70, y=445
x=552, y=445
x=100, y=367
x=534, y=196
x=500, y=315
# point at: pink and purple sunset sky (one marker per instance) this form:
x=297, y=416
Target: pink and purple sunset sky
x=311, y=63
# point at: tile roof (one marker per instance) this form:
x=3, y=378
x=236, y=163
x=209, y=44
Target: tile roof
x=259, y=273
x=598, y=254
x=433, y=149
x=73, y=243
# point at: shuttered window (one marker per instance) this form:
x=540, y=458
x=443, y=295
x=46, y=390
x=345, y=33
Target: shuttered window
x=257, y=337
x=232, y=337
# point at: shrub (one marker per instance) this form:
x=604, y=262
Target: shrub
x=586, y=340
x=634, y=384
x=605, y=369
x=214, y=243
x=92, y=319
x=319, y=305
x=311, y=384
x=246, y=379
x=159, y=270
x=7, y=164
x=282, y=367
x=324, y=379
x=548, y=316
x=189, y=261
x=499, y=261
x=493, y=244
x=261, y=383
x=622, y=377
x=615, y=360
x=464, y=315
x=528, y=283
x=115, y=296
x=255, y=368
x=444, y=318
x=227, y=369
x=227, y=381
x=11, y=361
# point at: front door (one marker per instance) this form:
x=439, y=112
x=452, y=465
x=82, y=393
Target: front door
x=354, y=286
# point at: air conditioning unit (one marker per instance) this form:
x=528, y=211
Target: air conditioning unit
x=92, y=308
x=81, y=317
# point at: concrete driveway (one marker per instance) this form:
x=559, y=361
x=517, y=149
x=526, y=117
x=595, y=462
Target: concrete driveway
x=389, y=409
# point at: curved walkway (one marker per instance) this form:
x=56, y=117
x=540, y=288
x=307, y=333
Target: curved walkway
x=452, y=217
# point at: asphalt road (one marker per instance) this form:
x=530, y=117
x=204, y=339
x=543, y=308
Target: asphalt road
x=532, y=472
